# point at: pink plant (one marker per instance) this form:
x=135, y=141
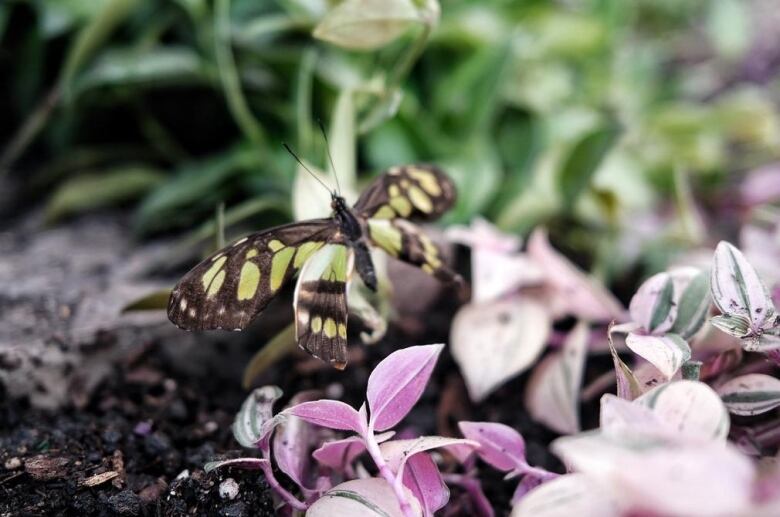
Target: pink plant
x=394, y=387
x=504, y=449
x=404, y=466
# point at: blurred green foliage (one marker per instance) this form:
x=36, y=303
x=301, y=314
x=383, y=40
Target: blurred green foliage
x=582, y=115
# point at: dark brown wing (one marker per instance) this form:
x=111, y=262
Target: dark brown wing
x=228, y=289
x=417, y=192
x=321, y=304
x=405, y=241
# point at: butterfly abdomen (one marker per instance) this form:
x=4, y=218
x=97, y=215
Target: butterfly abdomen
x=364, y=264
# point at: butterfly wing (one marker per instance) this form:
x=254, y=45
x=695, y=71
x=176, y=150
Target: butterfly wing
x=228, y=289
x=321, y=304
x=418, y=192
x=407, y=242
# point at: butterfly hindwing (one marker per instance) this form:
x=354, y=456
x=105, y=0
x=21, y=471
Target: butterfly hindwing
x=407, y=242
x=228, y=289
x=417, y=192
x=321, y=304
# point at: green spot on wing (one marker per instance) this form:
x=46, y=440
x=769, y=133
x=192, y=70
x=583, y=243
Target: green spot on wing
x=279, y=265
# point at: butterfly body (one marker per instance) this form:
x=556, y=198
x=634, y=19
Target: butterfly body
x=355, y=235
x=231, y=287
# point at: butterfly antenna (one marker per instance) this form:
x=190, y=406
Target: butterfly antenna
x=304, y=166
x=330, y=158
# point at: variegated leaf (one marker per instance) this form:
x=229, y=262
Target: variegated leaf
x=692, y=306
x=372, y=497
x=653, y=304
x=251, y=422
x=691, y=407
x=751, y=394
x=737, y=289
x=667, y=353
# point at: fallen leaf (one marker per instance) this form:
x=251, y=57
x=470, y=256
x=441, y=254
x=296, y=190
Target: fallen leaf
x=493, y=342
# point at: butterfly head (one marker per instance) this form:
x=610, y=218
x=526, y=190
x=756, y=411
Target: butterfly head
x=338, y=203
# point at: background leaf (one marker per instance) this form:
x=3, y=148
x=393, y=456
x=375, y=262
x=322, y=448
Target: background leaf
x=101, y=189
x=552, y=393
x=583, y=162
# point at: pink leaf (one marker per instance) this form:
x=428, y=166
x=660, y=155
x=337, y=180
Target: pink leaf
x=423, y=478
x=761, y=185
x=483, y=235
x=397, y=383
x=496, y=274
x=292, y=442
x=528, y=483
x=577, y=293
x=479, y=501
x=628, y=386
x=496, y=266
x=707, y=479
x=328, y=413
x=623, y=419
x=397, y=452
x=340, y=453
x=552, y=393
x=500, y=445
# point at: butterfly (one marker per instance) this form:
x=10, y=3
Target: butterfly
x=231, y=287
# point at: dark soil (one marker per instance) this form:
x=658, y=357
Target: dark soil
x=149, y=430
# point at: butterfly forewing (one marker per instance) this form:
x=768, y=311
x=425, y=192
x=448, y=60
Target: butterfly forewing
x=321, y=304
x=407, y=242
x=417, y=192
x=228, y=289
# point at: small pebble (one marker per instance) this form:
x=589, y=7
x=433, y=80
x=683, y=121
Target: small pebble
x=13, y=463
x=184, y=474
x=334, y=390
x=169, y=385
x=210, y=426
x=143, y=428
x=228, y=489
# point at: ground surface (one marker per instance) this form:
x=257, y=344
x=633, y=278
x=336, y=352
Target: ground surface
x=122, y=414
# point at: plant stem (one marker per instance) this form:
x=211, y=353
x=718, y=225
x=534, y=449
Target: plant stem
x=539, y=473
x=373, y=450
x=279, y=489
x=29, y=130
x=691, y=370
x=472, y=486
